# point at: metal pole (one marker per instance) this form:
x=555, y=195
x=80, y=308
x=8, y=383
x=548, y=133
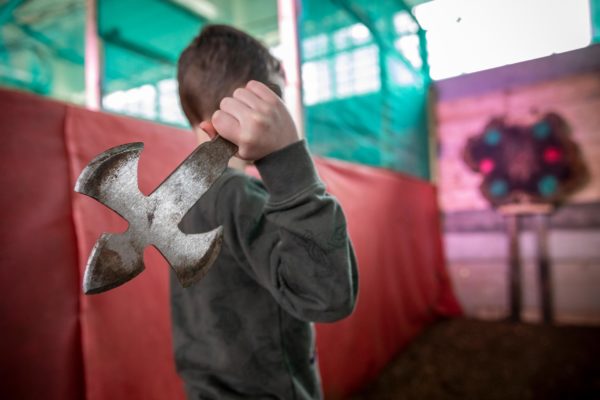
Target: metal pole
x=514, y=272
x=92, y=57
x=543, y=262
x=289, y=36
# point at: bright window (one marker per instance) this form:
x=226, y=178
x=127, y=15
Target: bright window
x=160, y=101
x=340, y=65
x=465, y=36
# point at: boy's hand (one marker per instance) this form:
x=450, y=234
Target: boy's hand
x=256, y=120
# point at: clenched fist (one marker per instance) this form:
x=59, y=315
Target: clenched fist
x=255, y=119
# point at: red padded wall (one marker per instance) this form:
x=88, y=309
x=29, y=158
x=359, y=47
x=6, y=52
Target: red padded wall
x=59, y=344
x=394, y=226
x=126, y=332
x=40, y=349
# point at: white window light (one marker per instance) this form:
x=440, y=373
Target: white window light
x=359, y=33
x=315, y=46
x=404, y=23
x=400, y=74
x=353, y=35
x=409, y=47
x=139, y=102
x=316, y=82
x=465, y=36
x=353, y=71
x=357, y=71
x=168, y=102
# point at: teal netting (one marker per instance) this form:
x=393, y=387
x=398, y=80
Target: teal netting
x=365, y=83
x=142, y=40
x=42, y=47
x=595, y=16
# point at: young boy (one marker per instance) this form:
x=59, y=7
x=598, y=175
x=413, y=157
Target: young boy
x=245, y=331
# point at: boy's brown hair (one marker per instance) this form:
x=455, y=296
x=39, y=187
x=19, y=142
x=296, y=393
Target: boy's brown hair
x=218, y=61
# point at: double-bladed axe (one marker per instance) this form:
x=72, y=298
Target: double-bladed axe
x=111, y=179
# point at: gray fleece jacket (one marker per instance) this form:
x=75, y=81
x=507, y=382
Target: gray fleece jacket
x=245, y=331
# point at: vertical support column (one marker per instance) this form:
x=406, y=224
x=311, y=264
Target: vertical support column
x=432, y=134
x=92, y=56
x=543, y=263
x=432, y=100
x=514, y=270
x=289, y=36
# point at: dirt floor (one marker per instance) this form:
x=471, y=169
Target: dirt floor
x=466, y=359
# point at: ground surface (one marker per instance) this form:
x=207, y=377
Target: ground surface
x=465, y=359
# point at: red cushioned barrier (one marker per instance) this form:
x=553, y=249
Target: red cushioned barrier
x=40, y=350
x=126, y=331
x=394, y=225
x=60, y=344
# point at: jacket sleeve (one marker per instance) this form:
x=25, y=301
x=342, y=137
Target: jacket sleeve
x=291, y=238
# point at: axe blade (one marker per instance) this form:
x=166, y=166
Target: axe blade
x=115, y=168
x=111, y=179
x=192, y=255
x=113, y=261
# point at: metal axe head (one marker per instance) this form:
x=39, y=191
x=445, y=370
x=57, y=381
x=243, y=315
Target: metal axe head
x=111, y=178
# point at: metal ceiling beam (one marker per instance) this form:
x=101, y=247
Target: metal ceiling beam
x=64, y=53
x=114, y=37
x=184, y=10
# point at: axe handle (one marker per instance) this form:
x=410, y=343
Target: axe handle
x=230, y=147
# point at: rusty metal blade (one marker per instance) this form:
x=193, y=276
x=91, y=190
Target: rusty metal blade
x=111, y=179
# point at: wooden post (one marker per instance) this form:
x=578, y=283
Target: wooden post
x=514, y=269
x=543, y=264
x=512, y=214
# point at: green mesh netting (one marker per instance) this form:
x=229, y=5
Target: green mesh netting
x=595, y=16
x=42, y=47
x=365, y=83
x=142, y=40
x=365, y=100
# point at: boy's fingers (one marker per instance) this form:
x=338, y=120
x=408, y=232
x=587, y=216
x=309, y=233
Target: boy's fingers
x=225, y=125
x=247, y=97
x=234, y=107
x=262, y=91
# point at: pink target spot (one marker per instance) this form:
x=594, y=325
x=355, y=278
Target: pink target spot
x=486, y=165
x=552, y=155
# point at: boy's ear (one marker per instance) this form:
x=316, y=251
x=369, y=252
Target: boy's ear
x=205, y=131
x=208, y=127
